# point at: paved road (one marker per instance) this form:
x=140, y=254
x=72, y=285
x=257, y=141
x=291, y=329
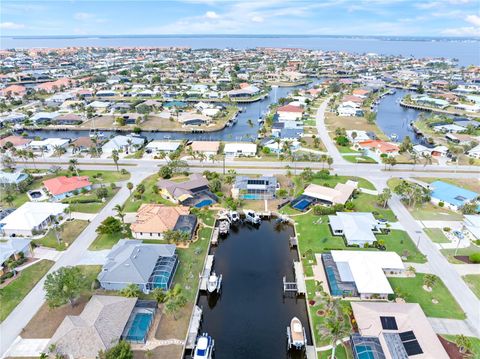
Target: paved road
x=11, y=327
x=325, y=137
x=439, y=265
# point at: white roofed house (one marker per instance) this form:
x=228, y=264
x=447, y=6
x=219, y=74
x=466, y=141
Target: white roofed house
x=158, y=146
x=123, y=143
x=330, y=196
x=474, y=152
x=31, y=218
x=358, y=228
x=237, y=149
x=48, y=144
x=358, y=136
x=361, y=273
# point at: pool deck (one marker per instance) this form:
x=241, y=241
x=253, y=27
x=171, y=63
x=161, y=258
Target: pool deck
x=319, y=273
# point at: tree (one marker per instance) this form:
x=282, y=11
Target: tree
x=174, y=300
x=101, y=192
x=109, y=226
x=130, y=186
x=429, y=280
x=159, y=294
x=334, y=330
x=412, y=193
x=165, y=172
x=469, y=208
x=73, y=166
x=64, y=286
x=120, y=210
x=230, y=176
x=307, y=174
x=115, y=158
x=122, y=350
x=215, y=185
x=371, y=117
x=383, y=197
x=388, y=160
x=406, y=145
x=463, y=343
x=131, y=291
x=329, y=162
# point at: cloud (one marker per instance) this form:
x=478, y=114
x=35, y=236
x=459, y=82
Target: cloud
x=11, y=26
x=83, y=16
x=462, y=31
x=257, y=18
x=211, y=15
x=473, y=19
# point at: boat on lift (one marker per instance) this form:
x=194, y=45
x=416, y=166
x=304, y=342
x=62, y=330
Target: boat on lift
x=251, y=216
x=234, y=216
x=214, y=283
x=224, y=227
x=297, y=339
x=204, y=348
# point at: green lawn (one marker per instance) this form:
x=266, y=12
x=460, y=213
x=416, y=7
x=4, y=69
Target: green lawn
x=436, y=235
x=368, y=203
x=90, y=272
x=473, y=281
x=314, y=234
x=340, y=353
x=399, y=241
x=411, y=290
x=345, y=149
x=149, y=196
x=106, y=241
x=450, y=253
x=429, y=212
x=333, y=180
x=12, y=294
x=475, y=344
x=69, y=231
x=89, y=202
x=359, y=159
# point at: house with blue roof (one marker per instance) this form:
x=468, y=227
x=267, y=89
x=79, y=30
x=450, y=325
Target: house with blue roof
x=453, y=197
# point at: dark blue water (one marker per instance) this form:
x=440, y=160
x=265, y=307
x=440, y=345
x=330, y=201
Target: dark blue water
x=250, y=317
x=242, y=131
x=467, y=52
x=395, y=119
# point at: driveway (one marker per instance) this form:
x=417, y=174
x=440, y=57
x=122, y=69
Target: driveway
x=94, y=257
x=83, y=216
x=46, y=253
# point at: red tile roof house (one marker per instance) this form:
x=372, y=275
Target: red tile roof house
x=18, y=142
x=378, y=147
x=290, y=112
x=63, y=187
x=13, y=91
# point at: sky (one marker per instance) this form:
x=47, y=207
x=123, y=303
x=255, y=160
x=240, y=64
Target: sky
x=314, y=17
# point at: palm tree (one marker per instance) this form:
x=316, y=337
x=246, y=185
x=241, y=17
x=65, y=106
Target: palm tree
x=120, y=209
x=73, y=165
x=31, y=155
x=130, y=186
x=277, y=140
x=463, y=343
x=115, y=158
x=130, y=291
x=428, y=159
x=429, y=280
x=334, y=330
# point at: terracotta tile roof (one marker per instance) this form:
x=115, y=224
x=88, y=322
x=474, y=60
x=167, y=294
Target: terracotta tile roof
x=157, y=218
x=382, y=146
x=290, y=108
x=63, y=184
x=14, y=140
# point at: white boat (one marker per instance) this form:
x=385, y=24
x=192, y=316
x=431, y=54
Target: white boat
x=224, y=227
x=296, y=334
x=214, y=283
x=234, y=217
x=393, y=137
x=96, y=134
x=251, y=216
x=204, y=348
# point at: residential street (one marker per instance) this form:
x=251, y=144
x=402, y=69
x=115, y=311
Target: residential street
x=11, y=327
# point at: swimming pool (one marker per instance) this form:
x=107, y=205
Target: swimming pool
x=204, y=203
x=332, y=282
x=302, y=204
x=139, y=328
x=251, y=196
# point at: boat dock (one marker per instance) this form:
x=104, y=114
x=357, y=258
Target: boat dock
x=298, y=286
x=206, y=272
x=311, y=352
x=293, y=242
x=264, y=214
x=215, y=235
x=194, y=327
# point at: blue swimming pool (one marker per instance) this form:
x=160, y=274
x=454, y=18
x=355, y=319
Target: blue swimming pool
x=364, y=352
x=204, y=203
x=302, y=204
x=251, y=196
x=139, y=327
x=332, y=282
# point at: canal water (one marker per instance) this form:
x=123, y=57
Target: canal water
x=395, y=119
x=243, y=130
x=250, y=317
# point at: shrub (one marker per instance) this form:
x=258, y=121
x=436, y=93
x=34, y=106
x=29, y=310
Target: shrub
x=447, y=229
x=474, y=257
x=441, y=204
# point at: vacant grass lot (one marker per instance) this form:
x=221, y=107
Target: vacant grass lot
x=149, y=196
x=359, y=159
x=106, y=241
x=450, y=253
x=473, y=281
x=13, y=293
x=436, y=235
x=411, y=290
x=401, y=243
x=69, y=231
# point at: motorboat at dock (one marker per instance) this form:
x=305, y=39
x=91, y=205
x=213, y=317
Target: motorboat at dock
x=297, y=339
x=251, y=216
x=204, y=348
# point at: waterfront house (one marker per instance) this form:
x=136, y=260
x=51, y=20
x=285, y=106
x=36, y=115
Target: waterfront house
x=148, y=266
x=452, y=197
x=11, y=117
x=239, y=149
x=377, y=148
x=63, y=187
x=394, y=330
x=14, y=91
x=340, y=194
x=192, y=192
x=48, y=144
x=44, y=118
x=256, y=188
x=31, y=217
x=82, y=144
x=358, y=136
x=17, y=142
x=158, y=146
x=208, y=148
x=358, y=228
x=244, y=92
x=361, y=273
x=289, y=113
x=123, y=143
x=153, y=220
x=69, y=119
x=103, y=322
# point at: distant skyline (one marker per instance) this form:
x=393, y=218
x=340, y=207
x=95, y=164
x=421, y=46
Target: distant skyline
x=327, y=17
